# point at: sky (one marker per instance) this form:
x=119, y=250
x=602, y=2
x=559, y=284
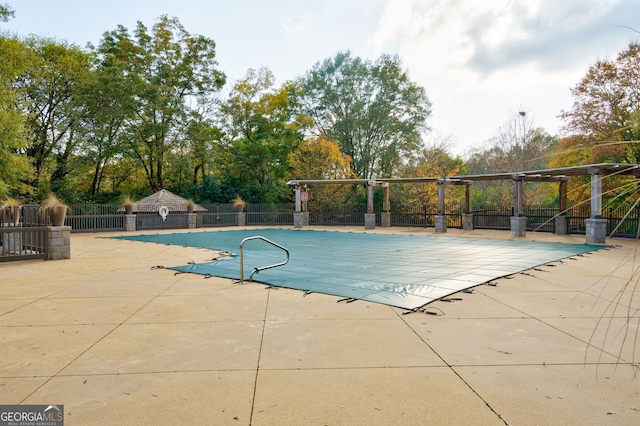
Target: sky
x=480, y=62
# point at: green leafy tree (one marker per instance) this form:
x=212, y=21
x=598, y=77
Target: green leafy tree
x=197, y=149
x=47, y=91
x=6, y=12
x=374, y=111
x=168, y=67
x=14, y=166
x=108, y=100
x=261, y=129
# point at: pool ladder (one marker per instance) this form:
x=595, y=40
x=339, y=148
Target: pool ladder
x=258, y=269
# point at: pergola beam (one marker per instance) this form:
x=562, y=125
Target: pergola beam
x=595, y=224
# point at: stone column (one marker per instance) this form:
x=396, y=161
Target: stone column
x=561, y=227
x=300, y=219
x=297, y=215
x=241, y=219
x=467, y=217
x=59, y=240
x=192, y=220
x=518, y=226
x=518, y=221
x=370, y=216
x=441, y=219
x=596, y=225
x=467, y=221
x=130, y=222
x=596, y=231
x=386, y=207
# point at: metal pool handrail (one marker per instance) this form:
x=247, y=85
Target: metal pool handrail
x=258, y=269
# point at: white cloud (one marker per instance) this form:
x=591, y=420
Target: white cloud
x=480, y=60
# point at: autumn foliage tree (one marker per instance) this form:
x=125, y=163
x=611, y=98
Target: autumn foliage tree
x=318, y=158
x=604, y=121
x=433, y=160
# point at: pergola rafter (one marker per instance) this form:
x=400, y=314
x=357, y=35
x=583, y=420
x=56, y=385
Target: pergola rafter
x=596, y=226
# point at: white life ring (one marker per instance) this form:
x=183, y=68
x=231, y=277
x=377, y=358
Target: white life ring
x=163, y=211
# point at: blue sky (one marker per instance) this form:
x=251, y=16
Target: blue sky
x=479, y=61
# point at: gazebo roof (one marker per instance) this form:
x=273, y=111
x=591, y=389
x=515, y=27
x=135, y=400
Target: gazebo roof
x=174, y=203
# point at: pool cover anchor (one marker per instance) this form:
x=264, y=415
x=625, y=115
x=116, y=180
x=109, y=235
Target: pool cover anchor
x=427, y=310
x=262, y=268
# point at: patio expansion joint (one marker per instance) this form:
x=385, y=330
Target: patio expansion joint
x=589, y=343
x=452, y=369
x=257, y=369
x=108, y=333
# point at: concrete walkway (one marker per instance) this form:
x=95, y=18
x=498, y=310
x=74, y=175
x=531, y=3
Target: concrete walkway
x=116, y=342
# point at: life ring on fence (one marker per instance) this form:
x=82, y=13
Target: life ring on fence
x=163, y=211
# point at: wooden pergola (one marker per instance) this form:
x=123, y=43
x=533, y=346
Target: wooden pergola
x=596, y=225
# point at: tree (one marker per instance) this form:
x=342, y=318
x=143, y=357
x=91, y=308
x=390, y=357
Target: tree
x=374, y=111
x=6, y=12
x=433, y=160
x=261, y=129
x=47, y=91
x=517, y=146
x=108, y=100
x=317, y=158
x=14, y=166
x=167, y=67
x=606, y=109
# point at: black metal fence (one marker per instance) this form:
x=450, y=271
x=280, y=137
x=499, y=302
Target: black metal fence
x=269, y=214
x=23, y=243
x=498, y=216
x=622, y=220
x=352, y=215
x=217, y=215
x=23, y=233
x=94, y=218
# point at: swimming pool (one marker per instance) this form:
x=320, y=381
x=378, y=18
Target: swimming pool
x=405, y=271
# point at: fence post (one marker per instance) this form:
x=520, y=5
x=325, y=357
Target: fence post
x=192, y=220
x=59, y=242
x=241, y=218
x=130, y=222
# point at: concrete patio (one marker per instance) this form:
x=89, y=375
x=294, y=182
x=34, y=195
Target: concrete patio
x=117, y=342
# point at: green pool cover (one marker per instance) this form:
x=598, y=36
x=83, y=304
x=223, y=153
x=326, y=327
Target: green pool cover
x=398, y=270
